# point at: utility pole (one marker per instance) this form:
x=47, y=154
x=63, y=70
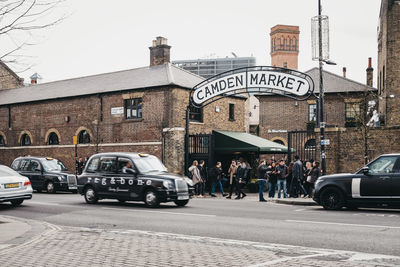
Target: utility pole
x=321, y=92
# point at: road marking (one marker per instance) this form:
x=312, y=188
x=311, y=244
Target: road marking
x=163, y=212
x=293, y=258
x=300, y=210
x=347, y=224
x=44, y=203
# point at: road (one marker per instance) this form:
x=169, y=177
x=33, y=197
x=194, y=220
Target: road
x=368, y=230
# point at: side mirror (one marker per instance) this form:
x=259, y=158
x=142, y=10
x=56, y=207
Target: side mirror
x=365, y=170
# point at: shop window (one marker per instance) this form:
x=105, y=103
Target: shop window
x=312, y=112
x=26, y=140
x=133, y=108
x=310, y=144
x=231, y=112
x=352, y=115
x=2, y=140
x=53, y=139
x=84, y=137
x=195, y=114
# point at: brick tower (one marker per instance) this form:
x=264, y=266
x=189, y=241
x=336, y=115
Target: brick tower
x=285, y=46
x=389, y=62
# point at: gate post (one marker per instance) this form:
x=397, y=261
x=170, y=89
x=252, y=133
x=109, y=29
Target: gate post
x=187, y=141
x=289, y=147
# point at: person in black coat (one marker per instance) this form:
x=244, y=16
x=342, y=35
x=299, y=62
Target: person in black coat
x=216, y=176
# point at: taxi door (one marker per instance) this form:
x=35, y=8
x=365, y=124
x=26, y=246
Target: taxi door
x=378, y=183
x=127, y=184
x=107, y=170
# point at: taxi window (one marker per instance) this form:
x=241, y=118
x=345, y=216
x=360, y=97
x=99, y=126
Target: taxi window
x=383, y=165
x=24, y=165
x=33, y=165
x=107, y=164
x=124, y=165
x=93, y=165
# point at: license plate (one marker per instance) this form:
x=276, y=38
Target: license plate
x=72, y=187
x=14, y=185
x=183, y=197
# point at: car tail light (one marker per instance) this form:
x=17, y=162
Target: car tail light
x=27, y=183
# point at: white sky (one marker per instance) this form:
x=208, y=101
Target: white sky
x=105, y=36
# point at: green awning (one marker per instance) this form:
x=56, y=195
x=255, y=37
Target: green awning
x=244, y=142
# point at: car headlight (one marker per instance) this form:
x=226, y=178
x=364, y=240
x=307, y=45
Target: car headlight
x=168, y=184
x=61, y=178
x=188, y=181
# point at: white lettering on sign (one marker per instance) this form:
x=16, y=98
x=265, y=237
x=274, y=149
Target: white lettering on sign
x=140, y=182
x=148, y=182
x=117, y=111
x=267, y=79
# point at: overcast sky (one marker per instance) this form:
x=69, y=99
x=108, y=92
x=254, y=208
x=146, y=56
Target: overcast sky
x=105, y=36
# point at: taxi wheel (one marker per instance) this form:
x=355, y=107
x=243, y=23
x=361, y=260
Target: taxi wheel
x=51, y=189
x=91, y=195
x=332, y=199
x=16, y=202
x=151, y=199
x=181, y=203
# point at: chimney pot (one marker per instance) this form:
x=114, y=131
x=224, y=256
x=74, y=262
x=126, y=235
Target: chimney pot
x=159, y=51
x=370, y=73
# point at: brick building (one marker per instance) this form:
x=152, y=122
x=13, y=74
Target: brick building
x=389, y=61
x=285, y=46
x=8, y=78
x=140, y=109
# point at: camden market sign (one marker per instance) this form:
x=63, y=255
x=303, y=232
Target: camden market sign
x=253, y=80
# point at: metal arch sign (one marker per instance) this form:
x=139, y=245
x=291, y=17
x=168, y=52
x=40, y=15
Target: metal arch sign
x=258, y=80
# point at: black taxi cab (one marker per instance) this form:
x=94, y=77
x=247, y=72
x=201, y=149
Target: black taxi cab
x=46, y=173
x=375, y=185
x=131, y=177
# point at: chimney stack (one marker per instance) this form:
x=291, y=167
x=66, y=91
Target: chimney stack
x=370, y=73
x=159, y=51
x=34, y=78
x=344, y=72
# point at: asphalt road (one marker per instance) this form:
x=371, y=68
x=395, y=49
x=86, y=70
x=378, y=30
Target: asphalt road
x=366, y=230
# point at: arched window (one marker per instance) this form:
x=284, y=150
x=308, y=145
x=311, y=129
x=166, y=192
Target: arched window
x=279, y=142
x=53, y=139
x=2, y=140
x=84, y=137
x=25, y=140
x=310, y=144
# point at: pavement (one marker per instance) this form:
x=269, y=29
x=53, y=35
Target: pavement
x=60, y=230
x=78, y=246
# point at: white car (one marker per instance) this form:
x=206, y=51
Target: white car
x=13, y=186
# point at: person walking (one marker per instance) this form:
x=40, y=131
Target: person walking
x=241, y=175
x=216, y=176
x=261, y=175
x=315, y=173
x=196, y=178
x=203, y=177
x=307, y=176
x=282, y=173
x=232, y=177
x=272, y=179
x=297, y=176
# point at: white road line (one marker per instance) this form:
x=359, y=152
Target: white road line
x=293, y=258
x=43, y=203
x=346, y=224
x=163, y=212
x=300, y=210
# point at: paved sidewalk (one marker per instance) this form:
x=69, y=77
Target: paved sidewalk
x=70, y=246
x=287, y=201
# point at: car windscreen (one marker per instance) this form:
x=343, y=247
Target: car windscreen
x=53, y=165
x=5, y=171
x=149, y=164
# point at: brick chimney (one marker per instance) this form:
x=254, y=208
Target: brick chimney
x=370, y=73
x=159, y=51
x=34, y=78
x=344, y=72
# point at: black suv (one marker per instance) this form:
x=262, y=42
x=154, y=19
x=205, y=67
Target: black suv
x=47, y=174
x=376, y=184
x=132, y=176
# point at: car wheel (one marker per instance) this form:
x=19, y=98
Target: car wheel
x=151, y=199
x=16, y=202
x=181, y=203
x=91, y=195
x=332, y=199
x=51, y=189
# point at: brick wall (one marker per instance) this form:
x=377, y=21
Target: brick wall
x=8, y=79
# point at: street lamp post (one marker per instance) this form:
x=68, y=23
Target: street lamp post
x=321, y=91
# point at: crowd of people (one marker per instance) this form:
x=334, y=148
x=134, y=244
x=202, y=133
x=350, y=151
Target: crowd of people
x=292, y=181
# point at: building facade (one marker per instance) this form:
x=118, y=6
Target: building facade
x=208, y=68
x=285, y=46
x=138, y=110
x=389, y=61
